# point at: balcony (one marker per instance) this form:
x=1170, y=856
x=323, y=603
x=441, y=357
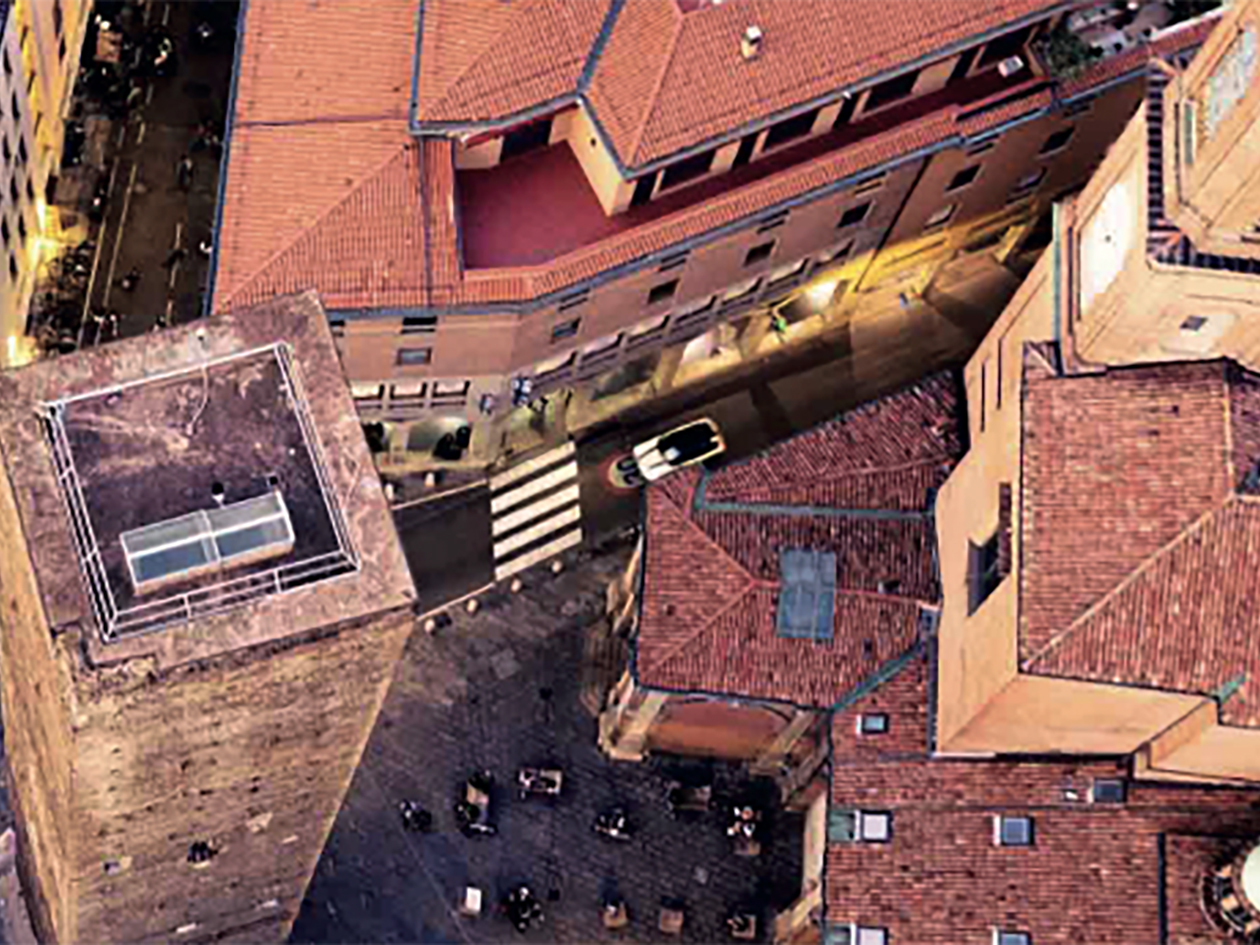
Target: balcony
x=539, y=206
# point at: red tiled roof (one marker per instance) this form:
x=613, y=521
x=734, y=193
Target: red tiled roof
x=1094, y=874
x=664, y=80
x=1139, y=557
x=711, y=570
x=265, y=210
x=515, y=57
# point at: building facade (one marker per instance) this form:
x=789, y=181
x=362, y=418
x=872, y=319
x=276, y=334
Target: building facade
x=39, y=62
x=204, y=599
x=553, y=219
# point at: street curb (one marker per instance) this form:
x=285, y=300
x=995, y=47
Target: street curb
x=412, y=503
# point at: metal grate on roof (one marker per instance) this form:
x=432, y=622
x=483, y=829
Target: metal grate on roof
x=807, y=598
x=184, y=547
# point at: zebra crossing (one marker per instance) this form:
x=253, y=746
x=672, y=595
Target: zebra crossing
x=534, y=509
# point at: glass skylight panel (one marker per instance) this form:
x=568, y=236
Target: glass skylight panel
x=807, y=597
x=253, y=528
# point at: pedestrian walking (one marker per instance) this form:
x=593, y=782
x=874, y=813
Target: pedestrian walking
x=184, y=172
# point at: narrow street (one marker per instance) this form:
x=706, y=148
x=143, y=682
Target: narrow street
x=449, y=541
x=153, y=227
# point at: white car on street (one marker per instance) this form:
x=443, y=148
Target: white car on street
x=686, y=445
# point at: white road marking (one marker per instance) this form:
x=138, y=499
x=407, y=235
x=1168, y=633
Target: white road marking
x=534, y=510
x=514, y=497
x=140, y=135
x=166, y=14
x=538, y=462
x=122, y=225
x=570, y=516
x=549, y=550
x=148, y=95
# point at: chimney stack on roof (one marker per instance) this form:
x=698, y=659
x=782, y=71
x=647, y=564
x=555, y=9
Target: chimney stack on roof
x=750, y=45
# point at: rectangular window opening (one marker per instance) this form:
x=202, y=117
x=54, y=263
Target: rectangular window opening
x=963, y=178
x=872, y=723
x=798, y=126
x=1012, y=831
x=419, y=324
x=410, y=357
x=1108, y=791
x=674, y=261
x=891, y=90
x=565, y=330
x=807, y=594
x=662, y=292
x=854, y=215
x=773, y=222
x=1057, y=141
x=940, y=217
x=687, y=170
x=759, y=253
x=984, y=571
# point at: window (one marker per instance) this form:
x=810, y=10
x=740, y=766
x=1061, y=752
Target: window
x=1057, y=141
x=869, y=186
x=840, y=252
x=531, y=137
x=8, y=152
x=4, y=230
x=807, y=594
x=674, y=261
x=573, y=300
x=848, y=105
x=984, y=572
x=773, y=222
x=872, y=723
x=963, y=178
x=687, y=169
x=870, y=936
x=1003, y=47
x=940, y=217
x=368, y=391
x=61, y=49
x=419, y=324
x=338, y=327
x=1108, y=791
x=759, y=253
x=30, y=190
x=13, y=189
x=1010, y=938
x=1193, y=323
x=962, y=66
x=8, y=67
x=1012, y=831
x=790, y=129
x=983, y=147
x=13, y=269
x=1027, y=184
x=565, y=330
x=855, y=935
x=15, y=107
x=874, y=827
x=659, y=293
x=21, y=229
x=22, y=153
x=409, y=357
x=644, y=187
x=854, y=215
x=784, y=274
x=891, y=90
x=407, y=393
x=58, y=19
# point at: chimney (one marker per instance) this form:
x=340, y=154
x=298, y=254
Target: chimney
x=750, y=45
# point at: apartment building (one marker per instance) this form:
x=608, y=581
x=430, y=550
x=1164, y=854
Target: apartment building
x=39, y=61
x=1111, y=416
x=558, y=191
x=1067, y=751
x=202, y=612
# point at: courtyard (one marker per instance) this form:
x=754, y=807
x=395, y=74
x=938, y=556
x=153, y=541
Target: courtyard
x=498, y=690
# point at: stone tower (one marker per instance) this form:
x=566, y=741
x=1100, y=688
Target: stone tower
x=202, y=597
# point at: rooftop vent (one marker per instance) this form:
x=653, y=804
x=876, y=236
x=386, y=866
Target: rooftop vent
x=1010, y=66
x=185, y=547
x=750, y=44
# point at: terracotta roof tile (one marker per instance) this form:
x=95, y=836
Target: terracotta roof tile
x=1139, y=552
x=711, y=572
x=275, y=192
x=371, y=245
x=536, y=56
x=1138, y=453
x=350, y=59
x=1095, y=872
x=454, y=36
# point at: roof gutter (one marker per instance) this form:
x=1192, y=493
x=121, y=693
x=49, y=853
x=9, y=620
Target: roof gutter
x=207, y=302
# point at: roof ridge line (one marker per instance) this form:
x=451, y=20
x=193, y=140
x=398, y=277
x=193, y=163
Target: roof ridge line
x=750, y=582
x=659, y=81
x=1153, y=559
x=485, y=52
x=703, y=628
x=319, y=220
x=596, y=51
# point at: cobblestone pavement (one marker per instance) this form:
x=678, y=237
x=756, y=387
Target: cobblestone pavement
x=499, y=690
